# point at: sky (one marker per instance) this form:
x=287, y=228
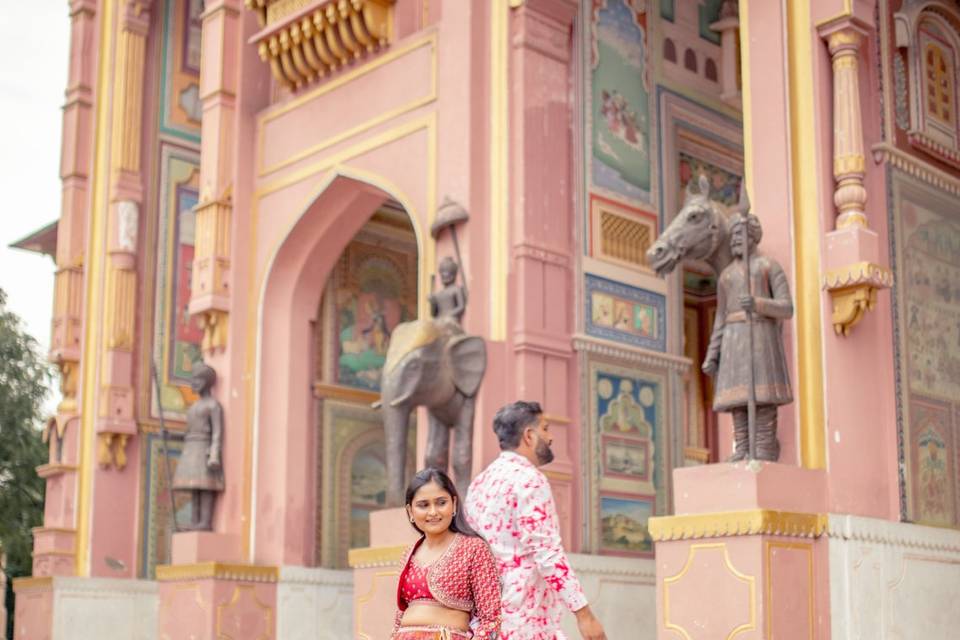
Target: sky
x=34, y=50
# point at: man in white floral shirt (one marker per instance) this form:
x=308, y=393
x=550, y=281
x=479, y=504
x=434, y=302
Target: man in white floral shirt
x=510, y=504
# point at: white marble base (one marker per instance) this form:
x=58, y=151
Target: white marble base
x=622, y=593
x=104, y=609
x=893, y=580
x=314, y=604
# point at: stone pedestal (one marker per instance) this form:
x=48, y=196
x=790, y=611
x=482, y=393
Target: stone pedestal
x=72, y=608
x=206, y=594
x=744, y=555
x=376, y=571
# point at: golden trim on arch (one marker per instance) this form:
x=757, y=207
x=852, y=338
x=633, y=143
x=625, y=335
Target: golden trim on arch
x=32, y=583
x=751, y=522
x=430, y=40
x=426, y=123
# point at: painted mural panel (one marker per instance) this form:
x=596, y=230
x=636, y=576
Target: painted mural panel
x=927, y=249
x=374, y=289
x=352, y=476
x=180, y=107
x=176, y=335
x=157, y=515
x=620, y=99
x=628, y=452
x=617, y=311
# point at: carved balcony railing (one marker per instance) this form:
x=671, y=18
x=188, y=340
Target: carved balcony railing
x=306, y=40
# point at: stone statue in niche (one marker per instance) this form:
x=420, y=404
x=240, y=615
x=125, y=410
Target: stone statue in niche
x=746, y=346
x=200, y=471
x=432, y=363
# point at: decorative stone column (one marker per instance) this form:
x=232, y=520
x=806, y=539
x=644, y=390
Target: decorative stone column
x=115, y=423
x=729, y=28
x=852, y=252
x=54, y=543
x=210, y=288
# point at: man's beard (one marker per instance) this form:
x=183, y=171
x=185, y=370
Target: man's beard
x=543, y=452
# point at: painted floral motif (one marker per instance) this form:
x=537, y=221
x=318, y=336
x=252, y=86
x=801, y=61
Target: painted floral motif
x=510, y=503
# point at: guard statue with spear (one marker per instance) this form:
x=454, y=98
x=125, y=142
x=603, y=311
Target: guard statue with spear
x=746, y=347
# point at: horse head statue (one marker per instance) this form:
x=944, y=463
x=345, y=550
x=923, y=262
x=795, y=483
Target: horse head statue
x=699, y=231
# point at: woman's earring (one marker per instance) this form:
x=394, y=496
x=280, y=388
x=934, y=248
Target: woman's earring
x=454, y=514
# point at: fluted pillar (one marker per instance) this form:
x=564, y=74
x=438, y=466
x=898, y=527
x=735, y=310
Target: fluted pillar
x=849, y=195
x=852, y=252
x=210, y=289
x=115, y=404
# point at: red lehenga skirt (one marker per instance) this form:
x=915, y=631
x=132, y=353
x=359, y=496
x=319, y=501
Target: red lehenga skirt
x=431, y=632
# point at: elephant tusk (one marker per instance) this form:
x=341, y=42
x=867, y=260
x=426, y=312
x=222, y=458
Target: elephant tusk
x=376, y=404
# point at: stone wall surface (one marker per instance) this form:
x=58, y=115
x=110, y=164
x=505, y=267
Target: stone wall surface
x=621, y=592
x=893, y=580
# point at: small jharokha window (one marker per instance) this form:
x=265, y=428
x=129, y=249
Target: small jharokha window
x=940, y=84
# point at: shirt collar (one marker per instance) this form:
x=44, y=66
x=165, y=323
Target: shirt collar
x=515, y=458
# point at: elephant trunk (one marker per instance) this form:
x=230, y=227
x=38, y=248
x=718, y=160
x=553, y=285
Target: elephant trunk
x=395, y=421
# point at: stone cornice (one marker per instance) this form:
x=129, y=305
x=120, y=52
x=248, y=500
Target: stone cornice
x=897, y=534
x=751, y=522
x=916, y=167
x=316, y=576
x=626, y=353
x=216, y=571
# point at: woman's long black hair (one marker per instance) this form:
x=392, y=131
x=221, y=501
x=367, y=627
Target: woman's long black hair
x=432, y=474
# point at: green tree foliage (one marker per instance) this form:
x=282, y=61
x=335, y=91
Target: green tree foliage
x=24, y=380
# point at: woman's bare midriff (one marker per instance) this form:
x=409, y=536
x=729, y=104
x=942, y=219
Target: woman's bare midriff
x=419, y=614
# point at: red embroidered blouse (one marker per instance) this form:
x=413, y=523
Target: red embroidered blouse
x=465, y=577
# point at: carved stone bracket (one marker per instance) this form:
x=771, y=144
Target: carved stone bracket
x=853, y=290
x=852, y=275
x=209, y=300
x=304, y=41
x=112, y=450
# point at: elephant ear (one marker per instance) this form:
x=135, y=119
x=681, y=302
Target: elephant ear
x=468, y=361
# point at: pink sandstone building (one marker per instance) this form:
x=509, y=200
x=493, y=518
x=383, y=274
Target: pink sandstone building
x=254, y=183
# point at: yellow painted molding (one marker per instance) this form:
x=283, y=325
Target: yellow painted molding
x=499, y=168
x=217, y=571
x=93, y=295
x=752, y=522
x=365, y=557
x=806, y=233
x=43, y=583
x=337, y=392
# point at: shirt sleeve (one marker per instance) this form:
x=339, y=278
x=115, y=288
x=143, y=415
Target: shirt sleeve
x=485, y=586
x=540, y=537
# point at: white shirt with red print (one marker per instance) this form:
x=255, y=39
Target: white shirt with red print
x=511, y=505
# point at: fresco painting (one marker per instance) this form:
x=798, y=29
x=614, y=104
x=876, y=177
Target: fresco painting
x=616, y=311
x=176, y=336
x=928, y=300
x=157, y=526
x=620, y=97
x=724, y=184
x=180, y=108
x=375, y=289
x=623, y=525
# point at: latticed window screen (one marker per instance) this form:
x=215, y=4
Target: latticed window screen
x=624, y=239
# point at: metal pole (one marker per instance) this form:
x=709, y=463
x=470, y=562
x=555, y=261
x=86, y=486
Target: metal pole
x=166, y=451
x=456, y=250
x=751, y=388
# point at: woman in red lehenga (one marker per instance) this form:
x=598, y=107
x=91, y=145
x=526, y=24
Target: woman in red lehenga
x=450, y=585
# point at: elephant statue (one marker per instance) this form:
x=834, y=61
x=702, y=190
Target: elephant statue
x=430, y=363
